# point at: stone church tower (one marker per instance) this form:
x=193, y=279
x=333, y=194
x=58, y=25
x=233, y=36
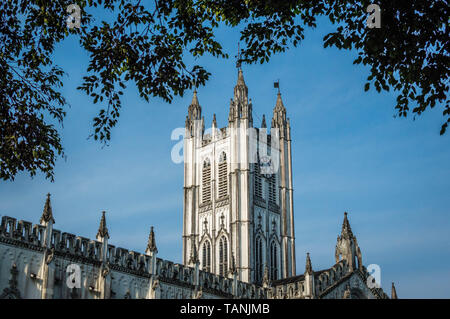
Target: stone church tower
x=237, y=213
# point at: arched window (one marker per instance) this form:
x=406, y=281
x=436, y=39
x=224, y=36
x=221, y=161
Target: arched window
x=258, y=259
x=272, y=189
x=206, y=181
x=273, y=261
x=206, y=256
x=258, y=180
x=223, y=175
x=223, y=256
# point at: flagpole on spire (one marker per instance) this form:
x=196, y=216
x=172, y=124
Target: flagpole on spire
x=276, y=85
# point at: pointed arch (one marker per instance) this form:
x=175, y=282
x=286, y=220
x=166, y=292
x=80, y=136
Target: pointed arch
x=206, y=181
x=223, y=175
x=223, y=256
x=273, y=260
x=206, y=256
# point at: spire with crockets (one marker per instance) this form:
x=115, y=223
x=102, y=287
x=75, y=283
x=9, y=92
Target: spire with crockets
x=151, y=245
x=240, y=106
x=47, y=213
x=347, y=246
x=346, y=231
x=102, y=229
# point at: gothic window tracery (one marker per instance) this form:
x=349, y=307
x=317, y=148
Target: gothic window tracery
x=273, y=261
x=206, y=256
x=223, y=256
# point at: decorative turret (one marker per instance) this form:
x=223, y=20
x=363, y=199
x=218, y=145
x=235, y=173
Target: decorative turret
x=194, y=116
x=309, y=279
x=151, y=251
x=47, y=220
x=393, y=292
x=347, y=246
x=102, y=230
x=279, y=113
x=47, y=214
x=194, y=109
x=151, y=245
x=241, y=89
x=103, y=236
x=308, y=266
x=240, y=107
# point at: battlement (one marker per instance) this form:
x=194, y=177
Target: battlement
x=83, y=250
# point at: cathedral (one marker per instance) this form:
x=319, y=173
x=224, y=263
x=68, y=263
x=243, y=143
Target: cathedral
x=238, y=230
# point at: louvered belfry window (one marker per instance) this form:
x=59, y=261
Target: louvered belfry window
x=272, y=189
x=206, y=181
x=258, y=180
x=223, y=175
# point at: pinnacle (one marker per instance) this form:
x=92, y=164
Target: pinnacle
x=47, y=213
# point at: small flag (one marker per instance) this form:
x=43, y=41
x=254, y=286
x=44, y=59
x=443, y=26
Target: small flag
x=276, y=84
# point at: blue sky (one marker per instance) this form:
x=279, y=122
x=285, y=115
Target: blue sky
x=349, y=154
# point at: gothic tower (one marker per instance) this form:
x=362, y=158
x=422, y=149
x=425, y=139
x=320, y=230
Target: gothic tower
x=236, y=213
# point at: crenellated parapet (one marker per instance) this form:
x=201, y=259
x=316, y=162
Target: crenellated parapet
x=69, y=248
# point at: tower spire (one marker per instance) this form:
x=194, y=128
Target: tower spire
x=308, y=266
x=102, y=230
x=47, y=213
x=263, y=122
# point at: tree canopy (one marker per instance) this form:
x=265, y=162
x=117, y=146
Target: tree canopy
x=147, y=43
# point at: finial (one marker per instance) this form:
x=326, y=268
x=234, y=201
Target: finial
x=102, y=230
x=393, y=292
x=214, y=122
x=194, y=98
x=151, y=245
x=308, y=266
x=263, y=123
x=47, y=214
x=346, y=229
